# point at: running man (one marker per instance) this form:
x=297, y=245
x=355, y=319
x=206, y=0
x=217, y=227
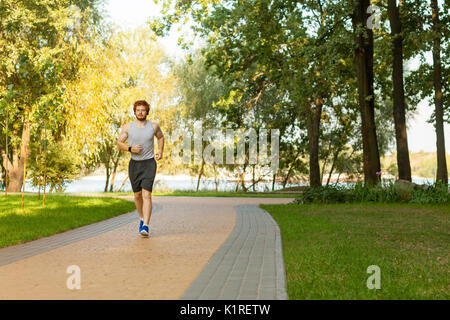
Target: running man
x=142, y=166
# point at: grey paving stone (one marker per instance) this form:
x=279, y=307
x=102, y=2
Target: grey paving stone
x=248, y=266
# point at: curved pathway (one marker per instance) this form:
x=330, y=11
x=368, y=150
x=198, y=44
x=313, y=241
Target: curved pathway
x=249, y=265
x=199, y=248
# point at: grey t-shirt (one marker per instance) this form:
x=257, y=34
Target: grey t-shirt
x=143, y=136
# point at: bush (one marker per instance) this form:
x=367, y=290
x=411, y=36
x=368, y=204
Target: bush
x=381, y=193
x=325, y=194
x=437, y=193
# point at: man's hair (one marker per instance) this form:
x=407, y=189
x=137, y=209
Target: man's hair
x=141, y=103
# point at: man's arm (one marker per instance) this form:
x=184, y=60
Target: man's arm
x=160, y=136
x=123, y=136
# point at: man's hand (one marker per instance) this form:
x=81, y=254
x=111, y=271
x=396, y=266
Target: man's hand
x=158, y=156
x=136, y=149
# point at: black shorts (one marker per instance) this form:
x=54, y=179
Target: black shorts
x=142, y=174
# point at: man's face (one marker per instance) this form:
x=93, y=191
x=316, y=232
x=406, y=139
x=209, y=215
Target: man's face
x=141, y=112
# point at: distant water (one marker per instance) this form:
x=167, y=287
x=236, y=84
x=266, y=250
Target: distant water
x=97, y=184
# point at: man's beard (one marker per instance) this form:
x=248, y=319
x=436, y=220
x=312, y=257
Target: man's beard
x=141, y=117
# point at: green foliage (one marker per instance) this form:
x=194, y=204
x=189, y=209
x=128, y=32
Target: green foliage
x=61, y=164
x=436, y=193
x=264, y=65
x=40, y=51
x=382, y=193
x=276, y=59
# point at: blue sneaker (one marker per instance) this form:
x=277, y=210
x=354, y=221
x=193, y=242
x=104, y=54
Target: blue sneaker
x=144, y=231
x=141, y=223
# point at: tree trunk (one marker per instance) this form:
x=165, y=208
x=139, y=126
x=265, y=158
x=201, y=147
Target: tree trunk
x=244, y=189
x=330, y=174
x=403, y=163
x=285, y=180
x=313, y=117
x=333, y=164
x=116, y=164
x=16, y=167
x=273, y=182
x=123, y=183
x=442, y=173
x=364, y=71
x=200, y=174
x=215, y=177
x=40, y=165
x=338, y=177
x=24, y=169
x=6, y=160
x=107, y=178
x=45, y=162
x=253, y=178
x=113, y=177
x=24, y=155
x=291, y=165
x=322, y=171
x=15, y=179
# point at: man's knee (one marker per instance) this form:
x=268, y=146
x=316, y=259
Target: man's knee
x=147, y=195
x=138, y=195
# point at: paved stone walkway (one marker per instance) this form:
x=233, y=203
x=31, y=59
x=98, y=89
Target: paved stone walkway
x=200, y=248
x=22, y=251
x=248, y=266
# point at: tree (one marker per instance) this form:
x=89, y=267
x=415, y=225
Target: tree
x=63, y=164
x=403, y=164
x=430, y=80
x=123, y=68
x=363, y=38
x=303, y=51
x=442, y=173
x=38, y=49
x=199, y=89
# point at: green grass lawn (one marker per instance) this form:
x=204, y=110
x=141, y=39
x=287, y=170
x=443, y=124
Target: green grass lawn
x=60, y=213
x=327, y=249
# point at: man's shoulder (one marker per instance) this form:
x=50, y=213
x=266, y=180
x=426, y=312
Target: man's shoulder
x=155, y=124
x=127, y=126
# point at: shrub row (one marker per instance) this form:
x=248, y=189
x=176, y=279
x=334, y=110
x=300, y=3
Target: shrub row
x=382, y=193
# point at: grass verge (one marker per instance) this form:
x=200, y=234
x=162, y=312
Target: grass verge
x=328, y=248
x=60, y=213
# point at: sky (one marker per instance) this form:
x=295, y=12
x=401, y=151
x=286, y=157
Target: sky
x=129, y=14
x=133, y=13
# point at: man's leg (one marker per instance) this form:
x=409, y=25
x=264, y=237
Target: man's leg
x=139, y=203
x=146, y=206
